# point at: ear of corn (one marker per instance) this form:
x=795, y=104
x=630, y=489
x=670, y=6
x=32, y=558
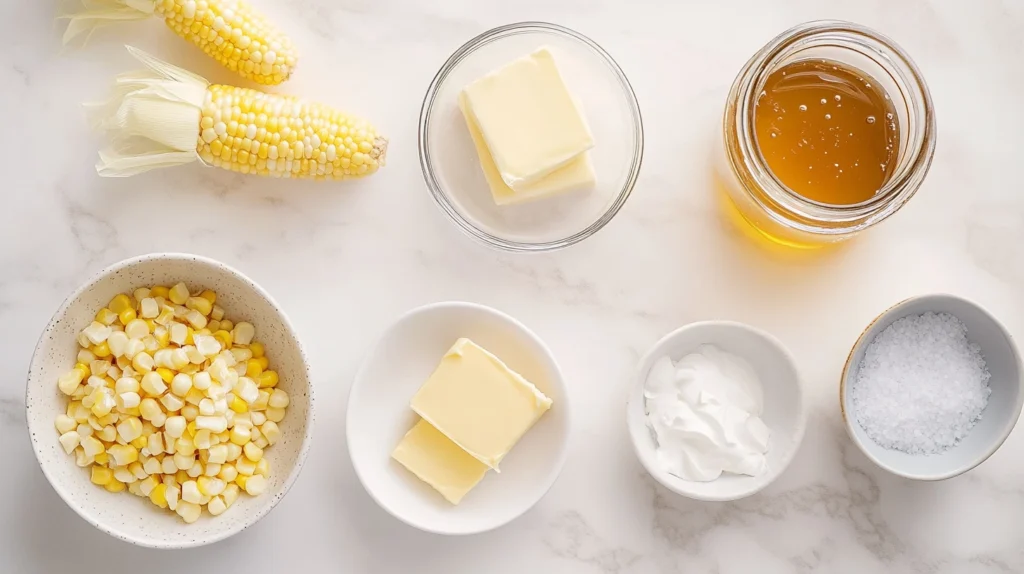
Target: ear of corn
x=229, y=31
x=165, y=116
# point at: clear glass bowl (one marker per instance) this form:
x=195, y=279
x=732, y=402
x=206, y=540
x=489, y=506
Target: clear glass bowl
x=452, y=170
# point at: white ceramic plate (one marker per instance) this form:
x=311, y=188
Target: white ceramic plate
x=998, y=418
x=123, y=515
x=784, y=411
x=379, y=415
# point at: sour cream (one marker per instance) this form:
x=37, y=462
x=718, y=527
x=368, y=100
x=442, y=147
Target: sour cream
x=705, y=413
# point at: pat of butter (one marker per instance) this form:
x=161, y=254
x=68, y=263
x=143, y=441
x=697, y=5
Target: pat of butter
x=528, y=119
x=439, y=462
x=479, y=403
x=577, y=174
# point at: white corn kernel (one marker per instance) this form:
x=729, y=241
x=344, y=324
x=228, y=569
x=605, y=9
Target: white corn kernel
x=183, y=461
x=126, y=385
x=172, y=402
x=241, y=355
x=162, y=358
x=99, y=368
x=196, y=319
x=149, y=409
x=230, y=494
x=107, y=434
x=202, y=380
x=213, y=424
x=97, y=332
x=278, y=399
x=151, y=466
x=190, y=412
x=85, y=356
x=245, y=466
x=206, y=407
x=91, y=445
x=155, y=443
x=178, y=333
x=84, y=430
x=247, y=390
x=255, y=485
x=136, y=329
x=149, y=308
x=133, y=347
x=271, y=431
x=208, y=345
x=190, y=492
x=216, y=506
x=252, y=452
x=202, y=438
x=64, y=424
x=173, y=495
x=181, y=384
x=69, y=381
x=70, y=441
x=82, y=459
x=196, y=471
x=122, y=474
x=243, y=333
x=153, y=384
x=129, y=429
x=275, y=414
x=168, y=466
x=212, y=468
x=143, y=362
x=257, y=418
x=128, y=400
x=234, y=451
x=188, y=511
x=175, y=426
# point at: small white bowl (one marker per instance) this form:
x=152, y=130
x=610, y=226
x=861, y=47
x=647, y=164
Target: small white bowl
x=379, y=415
x=134, y=519
x=998, y=418
x=784, y=412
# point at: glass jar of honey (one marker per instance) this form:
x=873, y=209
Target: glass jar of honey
x=828, y=130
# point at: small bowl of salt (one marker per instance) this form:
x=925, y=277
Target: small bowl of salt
x=932, y=387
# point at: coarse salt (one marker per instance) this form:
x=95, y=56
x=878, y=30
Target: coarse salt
x=922, y=385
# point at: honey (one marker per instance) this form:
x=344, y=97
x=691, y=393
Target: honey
x=828, y=132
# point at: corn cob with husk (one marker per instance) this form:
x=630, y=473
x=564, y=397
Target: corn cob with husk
x=229, y=31
x=164, y=116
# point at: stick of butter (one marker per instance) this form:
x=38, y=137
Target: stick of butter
x=479, y=403
x=528, y=119
x=577, y=174
x=439, y=462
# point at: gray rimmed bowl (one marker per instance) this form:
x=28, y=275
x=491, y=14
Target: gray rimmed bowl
x=998, y=418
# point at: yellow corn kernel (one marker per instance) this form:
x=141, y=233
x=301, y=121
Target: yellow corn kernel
x=119, y=303
x=263, y=468
x=139, y=442
x=127, y=316
x=238, y=405
x=224, y=337
x=158, y=495
x=159, y=291
x=102, y=458
x=210, y=296
x=163, y=336
x=114, y=486
x=166, y=374
x=267, y=379
x=102, y=350
x=178, y=294
x=257, y=350
x=84, y=369
x=264, y=362
x=106, y=316
x=201, y=304
x=101, y=475
x=181, y=477
x=226, y=325
x=123, y=454
x=253, y=368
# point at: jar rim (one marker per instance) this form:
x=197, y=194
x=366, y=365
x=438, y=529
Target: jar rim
x=739, y=119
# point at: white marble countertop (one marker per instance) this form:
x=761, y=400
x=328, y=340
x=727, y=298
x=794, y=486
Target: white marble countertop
x=345, y=260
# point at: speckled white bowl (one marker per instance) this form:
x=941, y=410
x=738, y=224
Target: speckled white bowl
x=135, y=519
x=998, y=418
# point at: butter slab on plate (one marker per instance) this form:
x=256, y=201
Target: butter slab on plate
x=379, y=416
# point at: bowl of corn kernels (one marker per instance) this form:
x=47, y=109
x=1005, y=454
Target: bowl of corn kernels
x=169, y=401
